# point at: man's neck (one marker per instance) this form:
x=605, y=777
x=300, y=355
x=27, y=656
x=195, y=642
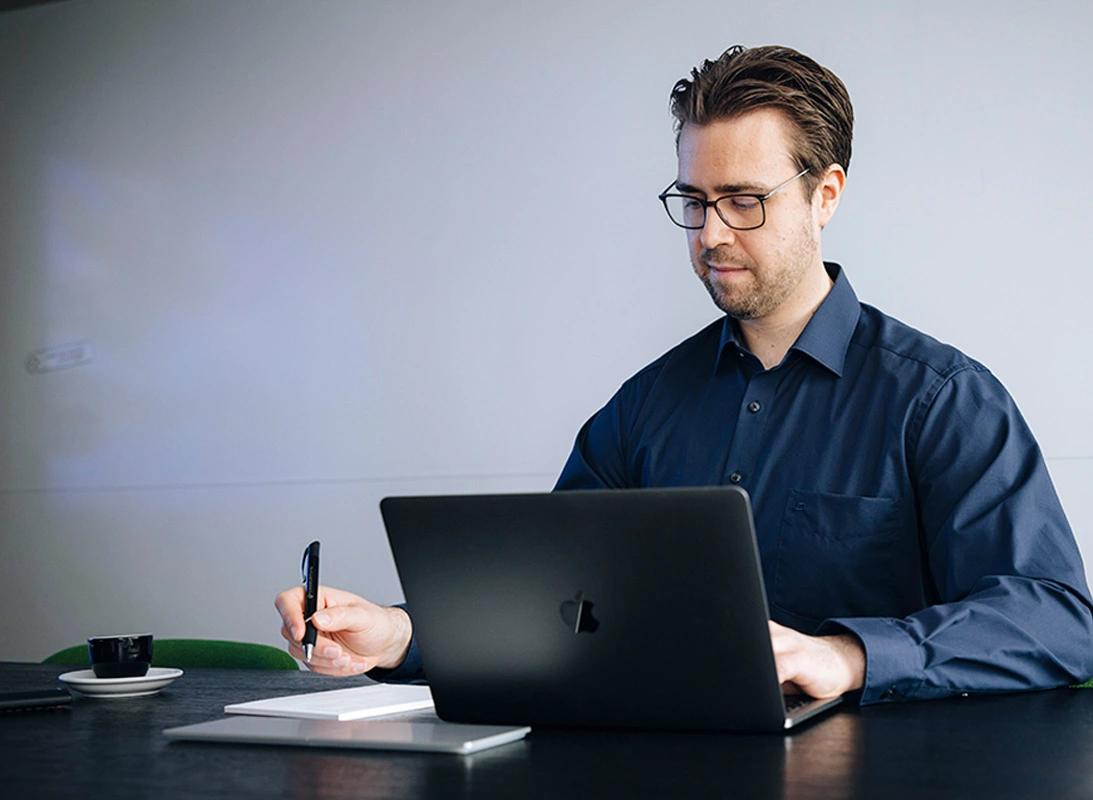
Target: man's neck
x=770, y=337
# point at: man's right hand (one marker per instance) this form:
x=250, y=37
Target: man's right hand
x=354, y=635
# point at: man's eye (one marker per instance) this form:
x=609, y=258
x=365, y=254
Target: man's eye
x=744, y=203
x=691, y=204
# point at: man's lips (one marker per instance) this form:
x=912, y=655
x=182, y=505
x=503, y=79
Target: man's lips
x=726, y=268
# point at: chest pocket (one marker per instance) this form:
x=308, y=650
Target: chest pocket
x=838, y=556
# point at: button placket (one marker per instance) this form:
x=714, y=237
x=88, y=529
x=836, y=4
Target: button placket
x=747, y=441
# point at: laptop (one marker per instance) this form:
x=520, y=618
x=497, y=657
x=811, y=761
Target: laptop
x=637, y=608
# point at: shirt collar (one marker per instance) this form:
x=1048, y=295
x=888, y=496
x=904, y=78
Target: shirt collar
x=826, y=337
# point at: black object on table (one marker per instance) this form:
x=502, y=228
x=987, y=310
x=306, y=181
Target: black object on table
x=37, y=700
x=1013, y=746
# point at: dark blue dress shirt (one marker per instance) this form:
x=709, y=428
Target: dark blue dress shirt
x=898, y=494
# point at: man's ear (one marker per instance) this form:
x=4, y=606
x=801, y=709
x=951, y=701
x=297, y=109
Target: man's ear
x=828, y=192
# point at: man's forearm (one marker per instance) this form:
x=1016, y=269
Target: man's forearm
x=1012, y=634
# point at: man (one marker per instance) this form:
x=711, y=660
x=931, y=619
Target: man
x=912, y=542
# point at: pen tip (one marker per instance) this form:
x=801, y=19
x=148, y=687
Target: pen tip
x=307, y=652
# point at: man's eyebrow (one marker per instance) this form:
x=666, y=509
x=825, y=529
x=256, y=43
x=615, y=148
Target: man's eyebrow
x=724, y=188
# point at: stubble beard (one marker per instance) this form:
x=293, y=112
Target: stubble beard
x=766, y=289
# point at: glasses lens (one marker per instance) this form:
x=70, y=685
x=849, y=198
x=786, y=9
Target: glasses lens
x=741, y=211
x=686, y=211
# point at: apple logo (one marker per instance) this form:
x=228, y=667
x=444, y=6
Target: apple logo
x=577, y=614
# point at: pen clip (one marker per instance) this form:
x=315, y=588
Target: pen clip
x=305, y=563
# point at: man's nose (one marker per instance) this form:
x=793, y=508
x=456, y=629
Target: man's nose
x=715, y=231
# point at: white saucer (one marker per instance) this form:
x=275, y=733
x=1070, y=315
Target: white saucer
x=84, y=682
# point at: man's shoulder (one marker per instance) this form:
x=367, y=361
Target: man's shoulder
x=886, y=338
x=697, y=351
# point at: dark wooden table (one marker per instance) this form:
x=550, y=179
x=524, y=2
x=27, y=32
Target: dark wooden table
x=1015, y=746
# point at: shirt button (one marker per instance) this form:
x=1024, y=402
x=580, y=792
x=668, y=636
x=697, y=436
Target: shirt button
x=754, y=406
x=736, y=477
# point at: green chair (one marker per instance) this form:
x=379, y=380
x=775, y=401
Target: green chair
x=195, y=653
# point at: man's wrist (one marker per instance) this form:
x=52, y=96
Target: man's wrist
x=852, y=653
x=402, y=631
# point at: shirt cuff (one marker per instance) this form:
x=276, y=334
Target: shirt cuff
x=410, y=670
x=893, y=660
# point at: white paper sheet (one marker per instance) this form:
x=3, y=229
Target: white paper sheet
x=359, y=702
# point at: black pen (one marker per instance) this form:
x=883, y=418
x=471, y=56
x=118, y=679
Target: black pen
x=310, y=568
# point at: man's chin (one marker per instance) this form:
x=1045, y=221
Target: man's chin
x=734, y=304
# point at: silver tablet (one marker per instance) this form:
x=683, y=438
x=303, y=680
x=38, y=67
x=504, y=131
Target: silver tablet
x=419, y=733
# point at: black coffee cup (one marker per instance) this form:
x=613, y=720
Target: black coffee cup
x=125, y=656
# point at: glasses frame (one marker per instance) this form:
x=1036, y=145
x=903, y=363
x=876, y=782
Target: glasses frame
x=762, y=198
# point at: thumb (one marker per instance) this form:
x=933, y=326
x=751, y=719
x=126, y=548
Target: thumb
x=340, y=618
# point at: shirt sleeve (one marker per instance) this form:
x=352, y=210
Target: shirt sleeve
x=1013, y=610
x=599, y=458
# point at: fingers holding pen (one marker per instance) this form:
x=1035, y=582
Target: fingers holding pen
x=362, y=634
x=324, y=647
x=290, y=605
x=329, y=656
x=332, y=660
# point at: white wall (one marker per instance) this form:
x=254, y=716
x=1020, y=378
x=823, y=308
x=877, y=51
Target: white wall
x=326, y=252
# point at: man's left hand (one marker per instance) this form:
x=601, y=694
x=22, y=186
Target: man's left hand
x=819, y=666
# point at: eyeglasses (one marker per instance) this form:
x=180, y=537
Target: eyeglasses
x=741, y=212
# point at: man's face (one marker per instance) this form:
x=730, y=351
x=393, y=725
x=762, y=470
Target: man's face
x=751, y=273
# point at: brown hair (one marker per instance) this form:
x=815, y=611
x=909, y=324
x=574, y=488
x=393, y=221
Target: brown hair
x=743, y=79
